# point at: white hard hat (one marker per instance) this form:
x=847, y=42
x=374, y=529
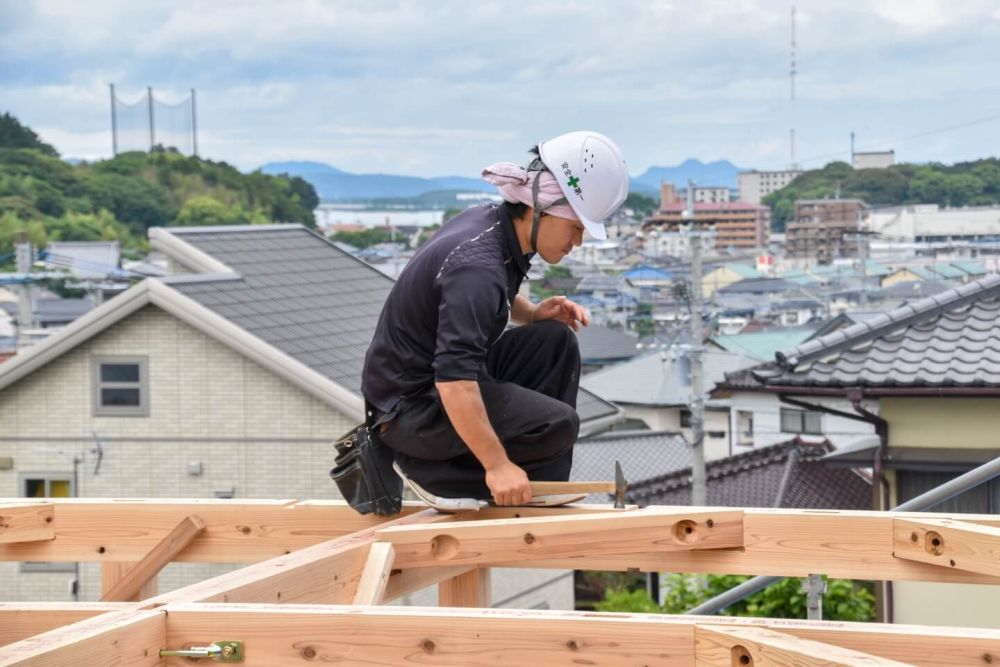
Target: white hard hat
x=591, y=173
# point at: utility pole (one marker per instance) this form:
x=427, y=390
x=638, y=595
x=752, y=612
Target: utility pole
x=194, y=123
x=114, y=123
x=152, y=133
x=23, y=259
x=863, y=254
x=697, y=406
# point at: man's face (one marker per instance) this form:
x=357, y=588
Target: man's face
x=557, y=237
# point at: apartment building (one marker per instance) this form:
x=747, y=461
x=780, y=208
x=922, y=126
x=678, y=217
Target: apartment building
x=825, y=229
x=755, y=185
x=736, y=224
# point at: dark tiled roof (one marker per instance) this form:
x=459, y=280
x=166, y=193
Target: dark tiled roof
x=755, y=479
x=643, y=455
x=743, y=378
x=951, y=339
x=306, y=297
x=298, y=292
x=914, y=289
x=759, y=286
x=600, y=344
x=61, y=311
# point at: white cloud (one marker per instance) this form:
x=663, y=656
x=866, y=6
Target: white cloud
x=448, y=86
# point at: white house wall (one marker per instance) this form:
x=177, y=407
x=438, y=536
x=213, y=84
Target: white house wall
x=251, y=431
x=668, y=418
x=766, y=409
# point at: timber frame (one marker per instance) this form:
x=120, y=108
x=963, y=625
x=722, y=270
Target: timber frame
x=317, y=575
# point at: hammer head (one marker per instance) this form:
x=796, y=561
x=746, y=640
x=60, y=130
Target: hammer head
x=620, y=486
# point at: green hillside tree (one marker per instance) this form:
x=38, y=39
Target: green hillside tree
x=15, y=135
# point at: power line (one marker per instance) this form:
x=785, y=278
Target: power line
x=920, y=135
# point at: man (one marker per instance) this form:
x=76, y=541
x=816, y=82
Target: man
x=471, y=409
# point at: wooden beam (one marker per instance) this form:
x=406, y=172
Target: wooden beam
x=26, y=522
x=325, y=573
x=291, y=635
x=405, y=582
x=948, y=543
x=113, y=573
x=755, y=647
x=592, y=535
x=375, y=575
x=471, y=589
x=135, y=578
x=128, y=637
x=776, y=542
x=245, y=531
x=794, y=543
x=20, y=620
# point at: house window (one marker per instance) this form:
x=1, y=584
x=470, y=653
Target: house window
x=982, y=499
x=121, y=386
x=801, y=421
x=685, y=418
x=744, y=426
x=47, y=485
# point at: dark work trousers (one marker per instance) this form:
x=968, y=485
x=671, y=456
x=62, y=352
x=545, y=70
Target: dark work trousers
x=530, y=399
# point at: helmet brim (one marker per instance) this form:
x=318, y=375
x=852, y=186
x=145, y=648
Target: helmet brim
x=596, y=229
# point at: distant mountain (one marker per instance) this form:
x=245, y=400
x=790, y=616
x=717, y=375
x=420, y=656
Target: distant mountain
x=299, y=168
x=336, y=185
x=718, y=173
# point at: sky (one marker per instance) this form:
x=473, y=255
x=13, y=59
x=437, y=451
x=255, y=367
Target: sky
x=445, y=87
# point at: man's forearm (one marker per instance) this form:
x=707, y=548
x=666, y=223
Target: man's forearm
x=464, y=406
x=523, y=311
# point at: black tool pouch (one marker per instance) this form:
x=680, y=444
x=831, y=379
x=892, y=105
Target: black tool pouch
x=363, y=473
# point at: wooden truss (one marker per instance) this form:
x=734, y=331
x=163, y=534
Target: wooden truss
x=317, y=576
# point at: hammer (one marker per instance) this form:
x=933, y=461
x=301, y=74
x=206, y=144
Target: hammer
x=617, y=487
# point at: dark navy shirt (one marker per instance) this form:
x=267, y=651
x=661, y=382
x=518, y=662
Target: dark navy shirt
x=450, y=304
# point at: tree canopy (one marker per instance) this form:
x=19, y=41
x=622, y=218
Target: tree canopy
x=121, y=198
x=962, y=184
x=15, y=135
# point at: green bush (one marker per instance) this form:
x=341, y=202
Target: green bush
x=845, y=600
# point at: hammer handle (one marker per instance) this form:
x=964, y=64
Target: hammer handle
x=552, y=488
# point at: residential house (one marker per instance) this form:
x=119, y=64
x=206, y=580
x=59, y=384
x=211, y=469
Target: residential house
x=907, y=291
x=601, y=254
x=926, y=378
x=725, y=275
x=602, y=346
x=655, y=389
x=761, y=345
x=229, y=379
x=793, y=312
x=758, y=286
x=643, y=455
x=646, y=276
x=788, y=474
x=649, y=282
x=908, y=274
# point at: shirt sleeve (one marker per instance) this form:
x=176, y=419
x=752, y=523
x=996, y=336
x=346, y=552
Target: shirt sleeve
x=472, y=309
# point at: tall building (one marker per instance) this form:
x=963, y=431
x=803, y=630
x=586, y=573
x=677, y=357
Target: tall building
x=874, y=159
x=755, y=185
x=825, y=229
x=736, y=224
x=703, y=194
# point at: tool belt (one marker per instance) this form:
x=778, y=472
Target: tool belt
x=363, y=473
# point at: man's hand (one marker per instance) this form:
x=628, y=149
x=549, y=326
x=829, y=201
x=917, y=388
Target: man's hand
x=509, y=484
x=563, y=310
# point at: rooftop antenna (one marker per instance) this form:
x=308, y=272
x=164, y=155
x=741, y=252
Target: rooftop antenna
x=792, y=73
